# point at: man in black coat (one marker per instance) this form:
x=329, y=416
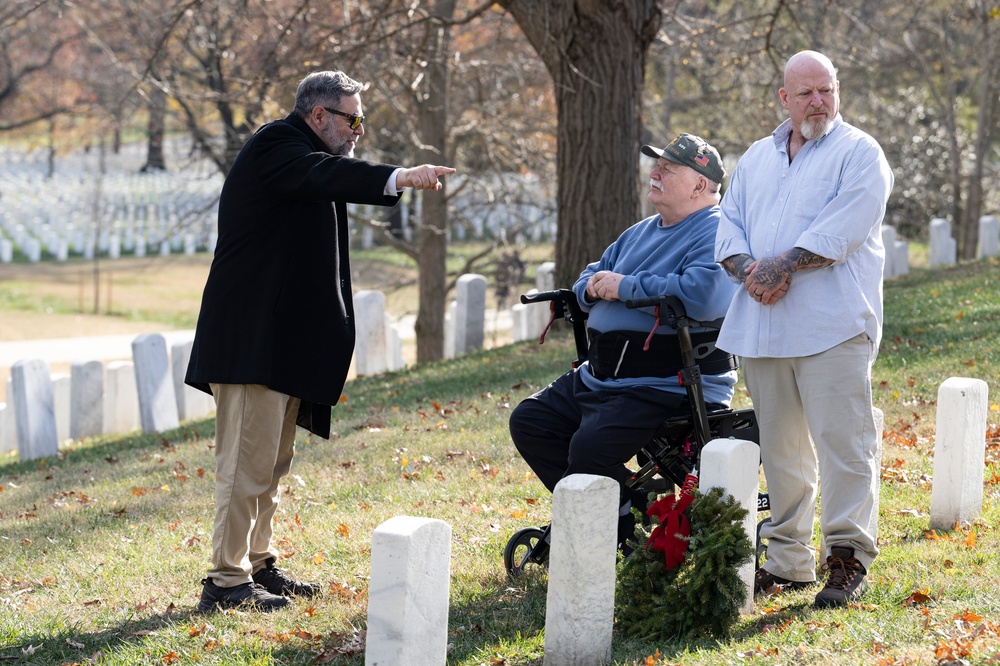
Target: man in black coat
x=275, y=335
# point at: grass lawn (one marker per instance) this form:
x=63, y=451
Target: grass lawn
x=102, y=547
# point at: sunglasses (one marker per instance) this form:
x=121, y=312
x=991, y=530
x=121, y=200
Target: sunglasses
x=354, y=120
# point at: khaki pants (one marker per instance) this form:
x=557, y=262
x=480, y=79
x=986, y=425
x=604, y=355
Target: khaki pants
x=814, y=412
x=254, y=446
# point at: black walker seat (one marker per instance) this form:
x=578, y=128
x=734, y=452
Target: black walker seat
x=675, y=449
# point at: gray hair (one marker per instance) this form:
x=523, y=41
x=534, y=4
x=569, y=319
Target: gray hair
x=319, y=88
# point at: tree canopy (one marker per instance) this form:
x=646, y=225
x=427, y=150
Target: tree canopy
x=532, y=100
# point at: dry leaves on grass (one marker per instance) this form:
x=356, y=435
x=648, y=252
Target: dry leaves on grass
x=341, y=645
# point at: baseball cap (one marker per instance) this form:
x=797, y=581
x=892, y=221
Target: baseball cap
x=691, y=151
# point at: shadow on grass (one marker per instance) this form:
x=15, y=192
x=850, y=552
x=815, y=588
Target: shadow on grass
x=132, y=636
x=499, y=623
x=42, y=482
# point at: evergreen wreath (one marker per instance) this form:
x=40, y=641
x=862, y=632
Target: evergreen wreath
x=703, y=595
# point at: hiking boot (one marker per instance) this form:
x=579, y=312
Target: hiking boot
x=766, y=583
x=276, y=581
x=846, y=582
x=248, y=596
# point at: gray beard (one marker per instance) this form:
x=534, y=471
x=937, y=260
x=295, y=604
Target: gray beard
x=814, y=131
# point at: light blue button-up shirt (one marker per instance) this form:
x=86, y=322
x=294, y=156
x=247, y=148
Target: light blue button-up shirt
x=829, y=200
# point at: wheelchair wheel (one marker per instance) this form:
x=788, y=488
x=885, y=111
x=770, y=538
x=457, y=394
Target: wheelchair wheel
x=525, y=550
x=761, y=546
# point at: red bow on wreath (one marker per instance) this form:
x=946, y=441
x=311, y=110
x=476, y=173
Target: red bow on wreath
x=669, y=536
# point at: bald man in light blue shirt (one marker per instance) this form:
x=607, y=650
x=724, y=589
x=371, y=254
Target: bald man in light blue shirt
x=801, y=230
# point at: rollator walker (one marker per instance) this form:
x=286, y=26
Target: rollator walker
x=674, y=451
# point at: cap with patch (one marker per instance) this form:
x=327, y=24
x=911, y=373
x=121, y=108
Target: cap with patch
x=691, y=151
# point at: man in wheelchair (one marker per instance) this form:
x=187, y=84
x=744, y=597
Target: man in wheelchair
x=595, y=418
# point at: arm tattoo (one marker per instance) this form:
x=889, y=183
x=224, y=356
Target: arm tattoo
x=805, y=259
x=737, y=265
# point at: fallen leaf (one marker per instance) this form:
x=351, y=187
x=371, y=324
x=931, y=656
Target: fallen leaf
x=968, y=616
x=918, y=597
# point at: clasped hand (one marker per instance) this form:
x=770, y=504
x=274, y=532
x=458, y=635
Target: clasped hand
x=603, y=285
x=768, y=280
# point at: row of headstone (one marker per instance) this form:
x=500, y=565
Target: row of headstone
x=162, y=402
x=410, y=579
x=526, y=211
x=379, y=345
x=943, y=250
x=43, y=410
x=88, y=209
x=82, y=211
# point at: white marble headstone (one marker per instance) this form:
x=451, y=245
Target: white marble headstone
x=959, y=452
x=370, y=356
x=86, y=405
x=61, y=398
x=580, y=601
x=470, y=313
x=731, y=464
x=989, y=236
x=8, y=430
x=121, y=398
x=34, y=407
x=889, y=243
x=408, y=593
x=191, y=403
x=942, y=247
x=154, y=382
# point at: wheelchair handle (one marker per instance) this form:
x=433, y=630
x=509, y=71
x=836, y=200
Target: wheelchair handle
x=675, y=311
x=561, y=301
x=553, y=295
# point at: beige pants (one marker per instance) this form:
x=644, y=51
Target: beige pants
x=816, y=412
x=254, y=446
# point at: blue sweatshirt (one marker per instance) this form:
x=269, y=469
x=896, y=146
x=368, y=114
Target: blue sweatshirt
x=657, y=260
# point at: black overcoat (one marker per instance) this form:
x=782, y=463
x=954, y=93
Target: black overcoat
x=277, y=307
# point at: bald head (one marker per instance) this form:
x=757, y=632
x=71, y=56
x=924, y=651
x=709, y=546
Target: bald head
x=809, y=60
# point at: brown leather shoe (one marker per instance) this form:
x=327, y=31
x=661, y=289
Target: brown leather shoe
x=846, y=581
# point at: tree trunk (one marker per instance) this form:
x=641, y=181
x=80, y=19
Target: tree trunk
x=432, y=122
x=155, y=160
x=986, y=120
x=595, y=51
